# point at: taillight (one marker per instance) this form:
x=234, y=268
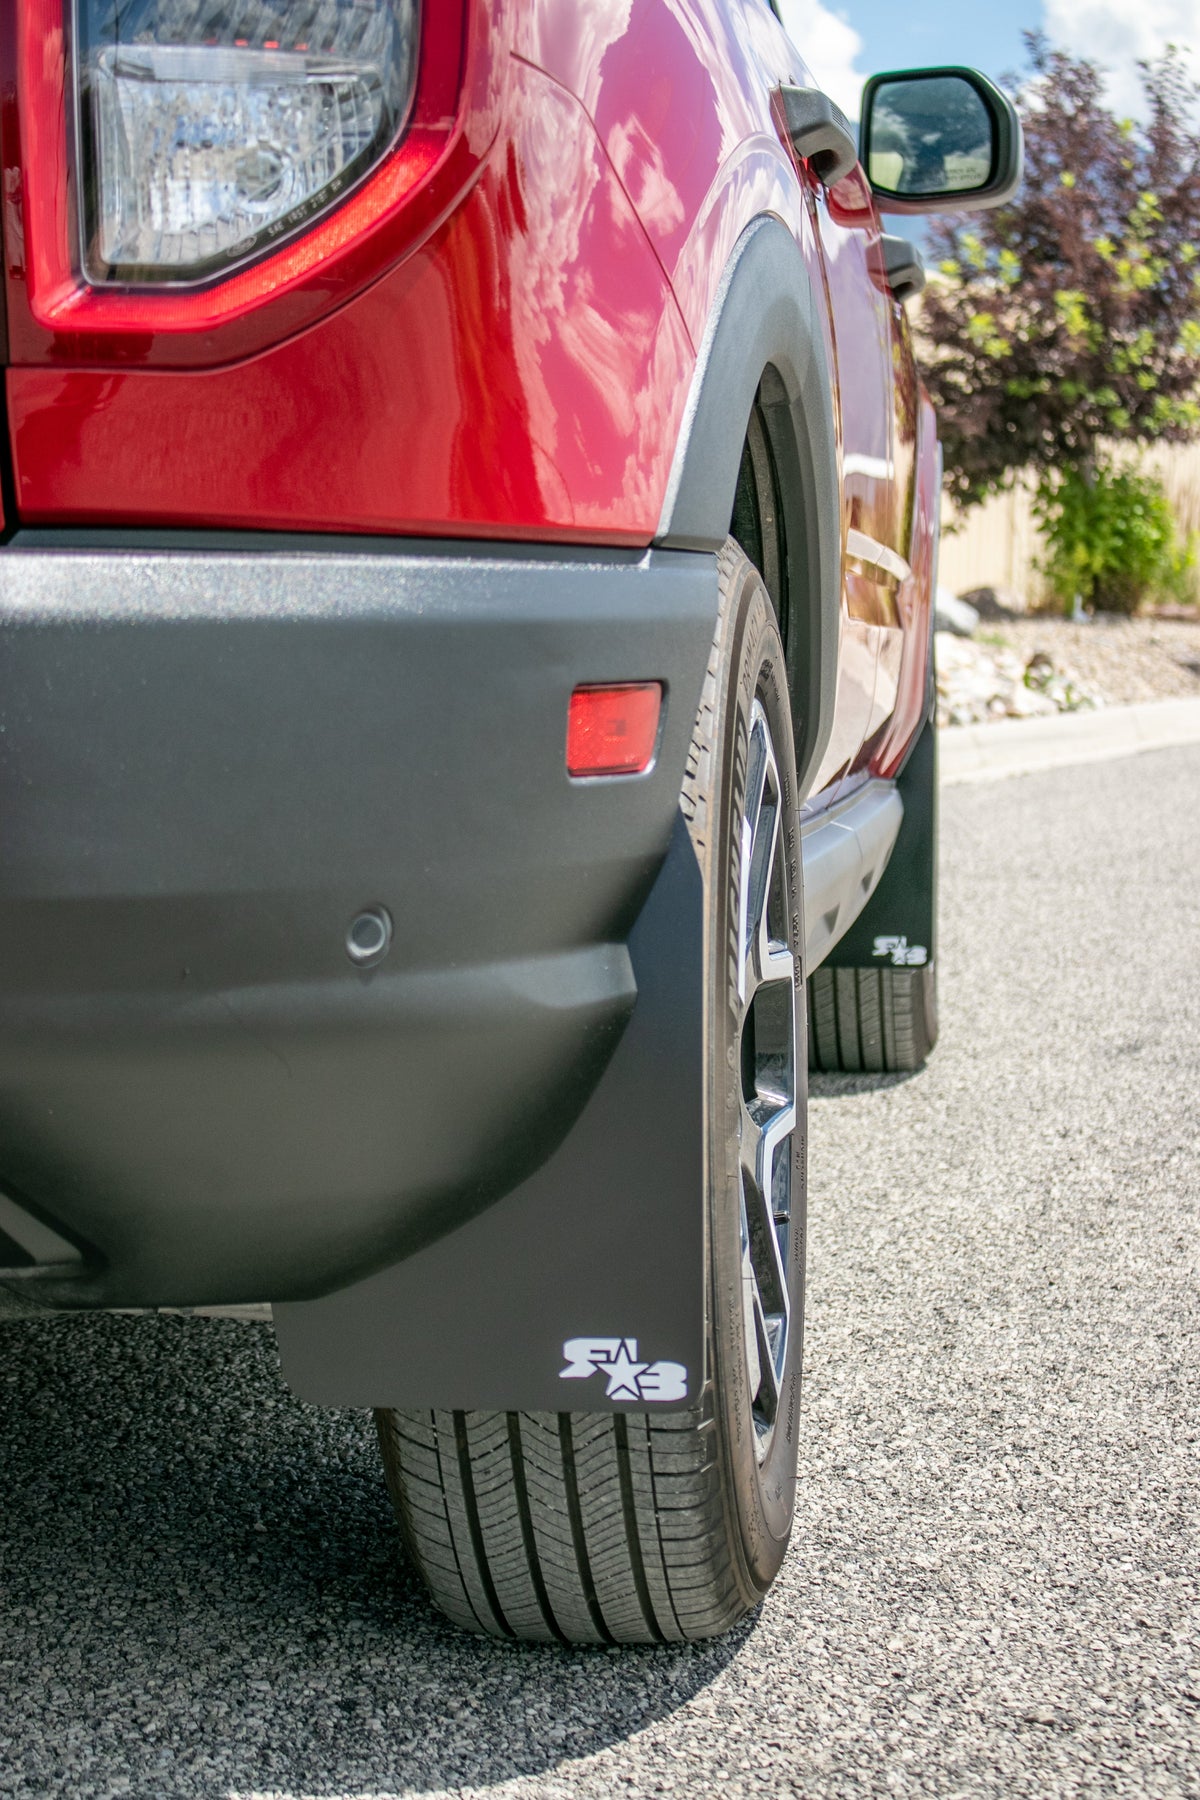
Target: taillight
x=210, y=130
x=199, y=179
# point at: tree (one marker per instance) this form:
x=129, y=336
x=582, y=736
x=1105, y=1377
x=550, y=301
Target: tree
x=1070, y=318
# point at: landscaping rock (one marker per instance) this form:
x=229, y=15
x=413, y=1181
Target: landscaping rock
x=978, y=681
x=953, y=614
x=996, y=603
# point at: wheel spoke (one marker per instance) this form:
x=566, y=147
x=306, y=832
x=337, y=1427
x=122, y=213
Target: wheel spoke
x=767, y=1392
x=759, y=854
x=768, y=1113
x=774, y=961
x=769, y=1145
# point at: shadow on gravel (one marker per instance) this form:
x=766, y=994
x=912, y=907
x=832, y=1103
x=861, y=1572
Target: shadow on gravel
x=202, y=1592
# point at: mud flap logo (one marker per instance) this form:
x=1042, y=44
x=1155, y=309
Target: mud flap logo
x=628, y=1378
x=902, y=953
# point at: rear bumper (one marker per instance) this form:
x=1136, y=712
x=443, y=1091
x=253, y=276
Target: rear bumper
x=211, y=759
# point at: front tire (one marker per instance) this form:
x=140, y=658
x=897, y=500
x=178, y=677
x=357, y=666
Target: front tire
x=872, y=1021
x=873, y=1008
x=640, y=1527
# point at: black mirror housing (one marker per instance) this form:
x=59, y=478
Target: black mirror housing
x=939, y=140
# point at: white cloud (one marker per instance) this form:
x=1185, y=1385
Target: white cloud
x=1116, y=33
x=829, y=46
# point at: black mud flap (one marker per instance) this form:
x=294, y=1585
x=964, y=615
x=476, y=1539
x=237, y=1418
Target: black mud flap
x=898, y=925
x=583, y=1289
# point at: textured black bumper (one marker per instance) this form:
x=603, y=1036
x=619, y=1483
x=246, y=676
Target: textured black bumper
x=210, y=761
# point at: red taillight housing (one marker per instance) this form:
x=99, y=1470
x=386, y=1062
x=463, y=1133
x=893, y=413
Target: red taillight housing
x=208, y=135
x=613, y=730
x=91, y=286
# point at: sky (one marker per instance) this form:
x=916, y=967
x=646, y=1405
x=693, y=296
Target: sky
x=844, y=40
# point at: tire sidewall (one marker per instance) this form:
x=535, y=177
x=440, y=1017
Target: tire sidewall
x=763, y=1494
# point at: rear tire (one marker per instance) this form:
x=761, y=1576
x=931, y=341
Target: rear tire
x=647, y=1527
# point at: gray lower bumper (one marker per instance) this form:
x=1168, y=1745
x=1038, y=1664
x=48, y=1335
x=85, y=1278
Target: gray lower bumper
x=210, y=762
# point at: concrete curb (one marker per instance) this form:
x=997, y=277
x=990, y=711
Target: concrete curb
x=1026, y=746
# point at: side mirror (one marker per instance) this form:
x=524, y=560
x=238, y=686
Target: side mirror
x=939, y=140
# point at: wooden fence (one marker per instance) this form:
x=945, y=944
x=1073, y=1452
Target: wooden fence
x=997, y=544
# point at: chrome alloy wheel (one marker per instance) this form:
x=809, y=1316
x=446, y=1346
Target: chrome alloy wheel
x=766, y=1038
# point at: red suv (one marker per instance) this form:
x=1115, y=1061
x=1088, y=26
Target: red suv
x=470, y=520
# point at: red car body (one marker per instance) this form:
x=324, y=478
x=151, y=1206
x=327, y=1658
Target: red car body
x=496, y=336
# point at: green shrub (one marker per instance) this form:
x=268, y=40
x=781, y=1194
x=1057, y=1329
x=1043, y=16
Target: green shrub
x=1113, y=541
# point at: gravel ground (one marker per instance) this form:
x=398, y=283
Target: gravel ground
x=1123, y=660
x=994, y=1587
x=1017, y=667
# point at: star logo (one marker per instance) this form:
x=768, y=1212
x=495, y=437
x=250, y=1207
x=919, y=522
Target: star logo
x=902, y=953
x=628, y=1379
x=623, y=1372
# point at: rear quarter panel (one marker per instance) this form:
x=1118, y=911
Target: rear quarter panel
x=519, y=375
x=681, y=94
x=523, y=373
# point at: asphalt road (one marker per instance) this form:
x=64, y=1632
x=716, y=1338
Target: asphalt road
x=994, y=1586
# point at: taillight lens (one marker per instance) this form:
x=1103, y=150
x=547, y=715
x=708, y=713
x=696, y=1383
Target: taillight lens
x=209, y=131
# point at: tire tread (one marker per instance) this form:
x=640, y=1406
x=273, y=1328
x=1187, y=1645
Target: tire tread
x=579, y=1528
x=871, y=1020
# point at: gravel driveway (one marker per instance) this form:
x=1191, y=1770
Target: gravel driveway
x=995, y=1581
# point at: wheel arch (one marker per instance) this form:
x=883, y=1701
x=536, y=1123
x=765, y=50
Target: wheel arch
x=764, y=344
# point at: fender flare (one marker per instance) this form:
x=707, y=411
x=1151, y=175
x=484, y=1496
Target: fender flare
x=765, y=331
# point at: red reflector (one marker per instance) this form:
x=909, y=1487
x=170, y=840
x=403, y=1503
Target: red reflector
x=613, y=730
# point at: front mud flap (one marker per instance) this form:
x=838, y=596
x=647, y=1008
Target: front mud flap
x=583, y=1289
x=898, y=925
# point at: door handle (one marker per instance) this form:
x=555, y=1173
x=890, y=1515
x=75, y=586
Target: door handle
x=820, y=132
x=904, y=264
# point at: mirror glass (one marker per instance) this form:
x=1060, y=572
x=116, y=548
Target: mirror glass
x=929, y=135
